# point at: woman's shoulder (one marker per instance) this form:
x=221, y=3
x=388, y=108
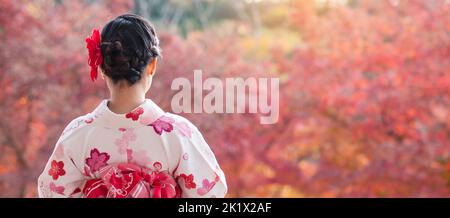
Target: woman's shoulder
x=180, y=119
x=182, y=125
x=76, y=125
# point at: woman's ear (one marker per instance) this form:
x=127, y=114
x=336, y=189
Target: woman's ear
x=151, y=68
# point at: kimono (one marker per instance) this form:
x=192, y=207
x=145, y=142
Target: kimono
x=144, y=153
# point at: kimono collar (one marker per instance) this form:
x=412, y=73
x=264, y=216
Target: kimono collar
x=142, y=115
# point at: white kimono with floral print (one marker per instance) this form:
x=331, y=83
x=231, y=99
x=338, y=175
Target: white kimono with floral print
x=147, y=137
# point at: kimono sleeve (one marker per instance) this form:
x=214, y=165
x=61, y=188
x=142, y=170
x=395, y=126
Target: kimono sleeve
x=198, y=172
x=61, y=178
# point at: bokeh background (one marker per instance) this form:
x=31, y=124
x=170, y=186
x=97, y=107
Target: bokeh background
x=364, y=93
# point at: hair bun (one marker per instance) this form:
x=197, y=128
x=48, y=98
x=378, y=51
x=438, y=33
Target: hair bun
x=113, y=48
x=129, y=44
x=116, y=61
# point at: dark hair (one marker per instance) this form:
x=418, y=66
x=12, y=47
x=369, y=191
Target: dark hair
x=128, y=44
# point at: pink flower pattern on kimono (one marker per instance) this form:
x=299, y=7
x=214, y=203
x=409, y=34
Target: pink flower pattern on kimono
x=127, y=137
x=122, y=145
x=57, y=169
x=162, y=124
x=134, y=115
x=97, y=160
x=206, y=187
x=56, y=189
x=188, y=180
x=139, y=157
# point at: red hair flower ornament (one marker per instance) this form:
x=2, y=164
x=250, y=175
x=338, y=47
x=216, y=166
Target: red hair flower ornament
x=95, y=54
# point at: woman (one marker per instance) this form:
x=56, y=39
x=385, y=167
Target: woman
x=128, y=146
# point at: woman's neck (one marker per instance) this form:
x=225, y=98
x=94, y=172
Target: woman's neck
x=124, y=101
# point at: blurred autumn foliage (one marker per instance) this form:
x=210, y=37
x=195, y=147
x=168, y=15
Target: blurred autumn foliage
x=364, y=99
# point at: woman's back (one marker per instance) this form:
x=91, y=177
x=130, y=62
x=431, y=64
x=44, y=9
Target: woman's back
x=144, y=152
x=146, y=137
